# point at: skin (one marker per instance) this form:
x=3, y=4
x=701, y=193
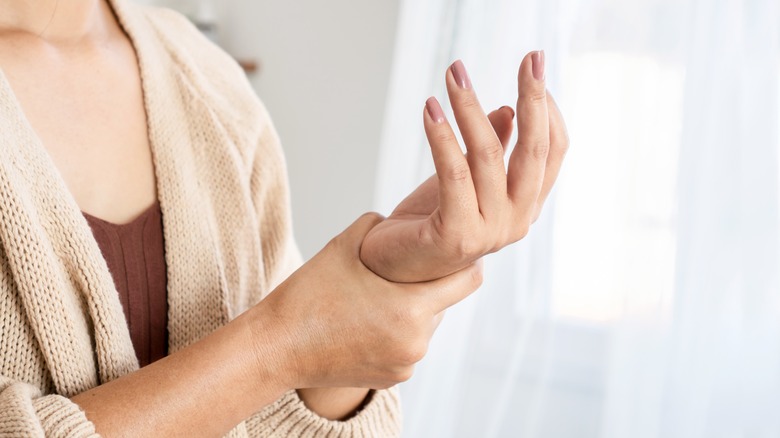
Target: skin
x=83, y=70
x=97, y=75
x=286, y=341
x=373, y=331
x=474, y=205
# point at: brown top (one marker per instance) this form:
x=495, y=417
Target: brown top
x=135, y=255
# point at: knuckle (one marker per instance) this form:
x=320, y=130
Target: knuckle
x=403, y=374
x=470, y=102
x=537, y=97
x=521, y=231
x=459, y=172
x=540, y=149
x=465, y=247
x=537, y=148
x=443, y=136
x=491, y=153
x=412, y=353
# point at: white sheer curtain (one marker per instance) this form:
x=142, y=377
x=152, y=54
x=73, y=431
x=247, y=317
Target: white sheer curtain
x=646, y=301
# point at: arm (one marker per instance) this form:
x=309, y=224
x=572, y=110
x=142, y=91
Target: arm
x=370, y=336
x=202, y=390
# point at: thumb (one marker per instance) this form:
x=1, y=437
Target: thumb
x=353, y=236
x=448, y=291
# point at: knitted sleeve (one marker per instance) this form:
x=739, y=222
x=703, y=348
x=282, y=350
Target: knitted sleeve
x=288, y=416
x=25, y=412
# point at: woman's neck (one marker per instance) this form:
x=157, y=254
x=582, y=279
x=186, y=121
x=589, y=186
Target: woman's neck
x=55, y=20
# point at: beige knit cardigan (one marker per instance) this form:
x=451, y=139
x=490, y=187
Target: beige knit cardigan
x=222, y=187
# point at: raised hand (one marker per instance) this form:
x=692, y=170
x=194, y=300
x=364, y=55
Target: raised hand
x=479, y=205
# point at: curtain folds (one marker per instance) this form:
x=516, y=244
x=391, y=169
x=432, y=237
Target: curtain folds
x=646, y=300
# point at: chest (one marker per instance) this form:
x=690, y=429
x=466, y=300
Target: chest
x=86, y=108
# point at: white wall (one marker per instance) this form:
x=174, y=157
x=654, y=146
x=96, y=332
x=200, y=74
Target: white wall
x=324, y=76
x=325, y=70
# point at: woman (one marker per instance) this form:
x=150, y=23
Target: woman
x=144, y=215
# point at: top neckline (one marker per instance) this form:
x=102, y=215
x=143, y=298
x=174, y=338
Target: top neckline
x=149, y=210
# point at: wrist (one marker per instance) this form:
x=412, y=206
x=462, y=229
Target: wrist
x=271, y=350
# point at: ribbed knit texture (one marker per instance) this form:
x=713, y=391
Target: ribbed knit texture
x=222, y=188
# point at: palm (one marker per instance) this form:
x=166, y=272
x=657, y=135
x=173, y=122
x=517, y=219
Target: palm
x=416, y=215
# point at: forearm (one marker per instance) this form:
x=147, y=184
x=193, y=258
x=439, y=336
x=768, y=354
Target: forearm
x=334, y=403
x=202, y=390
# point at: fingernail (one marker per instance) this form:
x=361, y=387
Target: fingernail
x=537, y=61
x=460, y=75
x=510, y=110
x=434, y=110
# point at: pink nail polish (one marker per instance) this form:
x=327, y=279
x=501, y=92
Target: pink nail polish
x=510, y=110
x=460, y=74
x=537, y=61
x=434, y=110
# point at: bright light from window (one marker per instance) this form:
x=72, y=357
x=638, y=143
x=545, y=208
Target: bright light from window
x=615, y=202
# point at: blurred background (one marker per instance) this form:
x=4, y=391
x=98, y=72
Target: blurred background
x=646, y=301
x=322, y=70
